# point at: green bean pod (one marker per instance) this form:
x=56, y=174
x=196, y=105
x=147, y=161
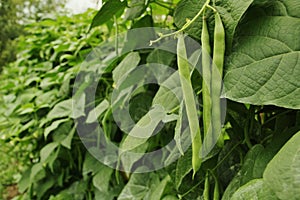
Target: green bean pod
x=206, y=82
x=216, y=190
x=190, y=103
x=217, y=73
x=206, y=188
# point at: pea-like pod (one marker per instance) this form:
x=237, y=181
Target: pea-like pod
x=216, y=190
x=206, y=82
x=190, y=103
x=217, y=73
x=206, y=188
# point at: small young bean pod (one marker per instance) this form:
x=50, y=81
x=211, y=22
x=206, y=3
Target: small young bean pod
x=206, y=187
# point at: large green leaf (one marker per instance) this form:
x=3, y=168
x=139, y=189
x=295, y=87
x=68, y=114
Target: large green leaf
x=54, y=126
x=128, y=63
x=255, y=189
x=183, y=167
x=282, y=174
x=102, y=178
x=107, y=11
x=97, y=111
x=264, y=66
x=47, y=150
x=139, y=186
x=159, y=189
x=187, y=9
x=72, y=108
x=136, y=8
x=144, y=129
x=231, y=12
x=245, y=174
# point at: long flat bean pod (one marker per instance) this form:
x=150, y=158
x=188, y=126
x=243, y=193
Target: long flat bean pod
x=206, y=83
x=190, y=104
x=217, y=72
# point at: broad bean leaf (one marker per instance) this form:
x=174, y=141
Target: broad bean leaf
x=72, y=108
x=231, y=12
x=139, y=186
x=264, y=66
x=245, y=174
x=107, y=11
x=66, y=142
x=187, y=9
x=136, y=8
x=37, y=172
x=47, y=150
x=54, y=126
x=282, y=174
x=24, y=182
x=255, y=189
x=183, y=167
x=102, y=178
x=143, y=129
x=91, y=165
x=127, y=64
x=97, y=111
x=271, y=150
x=159, y=190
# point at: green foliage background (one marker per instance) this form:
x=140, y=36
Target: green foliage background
x=262, y=70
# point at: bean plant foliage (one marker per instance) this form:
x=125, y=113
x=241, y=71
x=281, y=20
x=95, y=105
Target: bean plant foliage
x=49, y=118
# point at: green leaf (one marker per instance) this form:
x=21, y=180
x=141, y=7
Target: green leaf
x=37, y=172
x=255, y=189
x=97, y=111
x=24, y=182
x=245, y=174
x=127, y=64
x=139, y=186
x=68, y=140
x=159, y=190
x=169, y=197
x=91, y=165
x=161, y=56
x=62, y=109
x=47, y=150
x=169, y=94
x=183, y=167
x=73, y=108
x=263, y=68
x=143, y=130
x=136, y=8
x=282, y=174
x=53, y=126
x=107, y=11
x=187, y=9
x=271, y=150
x=62, y=132
x=231, y=12
x=102, y=178
x=42, y=186
x=128, y=159
x=145, y=21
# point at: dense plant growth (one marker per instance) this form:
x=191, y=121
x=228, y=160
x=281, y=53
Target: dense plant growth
x=48, y=114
